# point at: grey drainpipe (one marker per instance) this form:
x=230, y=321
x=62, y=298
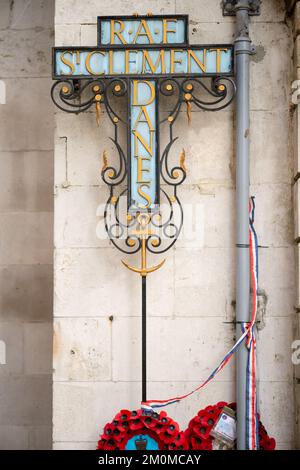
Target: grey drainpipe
x=243, y=49
x=242, y=9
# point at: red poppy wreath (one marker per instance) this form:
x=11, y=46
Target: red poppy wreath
x=133, y=430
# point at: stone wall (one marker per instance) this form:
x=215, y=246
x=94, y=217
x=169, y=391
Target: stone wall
x=26, y=212
x=97, y=360
x=294, y=12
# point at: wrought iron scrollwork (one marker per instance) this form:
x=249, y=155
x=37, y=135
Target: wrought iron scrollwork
x=163, y=226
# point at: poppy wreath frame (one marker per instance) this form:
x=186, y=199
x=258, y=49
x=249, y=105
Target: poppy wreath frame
x=127, y=424
x=166, y=433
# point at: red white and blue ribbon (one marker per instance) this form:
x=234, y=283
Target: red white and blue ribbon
x=252, y=424
x=249, y=335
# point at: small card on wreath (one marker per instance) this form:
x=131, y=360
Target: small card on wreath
x=224, y=431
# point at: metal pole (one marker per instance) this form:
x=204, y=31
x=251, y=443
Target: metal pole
x=144, y=339
x=242, y=51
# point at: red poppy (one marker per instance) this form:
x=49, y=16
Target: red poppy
x=165, y=431
x=123, y=415
x=135, y=424
x=198, y=435
x=127, y=424
x=149, y=421
x=202, y=431
x=180, y=441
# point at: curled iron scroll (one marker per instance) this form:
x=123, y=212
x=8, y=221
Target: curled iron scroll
x=207, y=94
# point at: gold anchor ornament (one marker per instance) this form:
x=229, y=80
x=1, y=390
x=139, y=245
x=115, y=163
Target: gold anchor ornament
x=143, y=232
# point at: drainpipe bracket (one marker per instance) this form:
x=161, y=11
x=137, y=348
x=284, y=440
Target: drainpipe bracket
x=229, y=7
x=243, y=45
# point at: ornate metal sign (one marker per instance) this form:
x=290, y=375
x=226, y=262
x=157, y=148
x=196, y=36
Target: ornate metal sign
x=145, y=58
x=139, y=62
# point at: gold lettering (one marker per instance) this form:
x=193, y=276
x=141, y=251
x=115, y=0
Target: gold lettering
x=143, y=24
x=166, y=30
x=138, y=137
x=218, y=57
x=111, y=63
x=174, y=60
x=144, y=195
x=67, y=62
x=88, y=62
x=193, y=55
x=143, y=111
x=135, y=92
x=114, y=33
x=127, y=52
x=160, y=58
x=140, y=169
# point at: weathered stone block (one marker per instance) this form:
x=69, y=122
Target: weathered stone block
x=276, y=409
x=13, y=437
x=37, y=134
x=85, y=278
x=85, y=143
x=210, y=32
x=88, y=35
x=297, y=271
x=296, y=18
x=79, y=217
x=273, y=215
x=277, y=280
x=297, y=410
x=296, y=140
x=68, y=11
x=67, y=35
x=26, y=181
x=12, y=335
x=26, y=292
x=27, y=49
x=270, y=159
x=33, y=14
x=296, y=203
x=61, y=163
x=40, y=438
x=29, y=400
x=82, y=349
x=270, y=66
x=38, y=348
x=211, y=12
x=297, y=52
x=208, y=211
x=208, y=143
x=26, y=238
x=202, y=277
x=274, y=351
x=167, y=362
x=5, y=14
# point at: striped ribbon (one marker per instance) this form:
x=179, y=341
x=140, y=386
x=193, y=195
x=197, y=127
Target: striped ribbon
x=249, y=334
x=252, y=425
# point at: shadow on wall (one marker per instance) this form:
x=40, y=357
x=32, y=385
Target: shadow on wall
x=26, y=213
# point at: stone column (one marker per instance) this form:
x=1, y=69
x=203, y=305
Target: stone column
x=294, y=10
x=26, y=228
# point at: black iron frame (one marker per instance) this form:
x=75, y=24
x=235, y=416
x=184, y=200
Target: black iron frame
x=185, y=18
x=172, y=177
x=56, y=76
